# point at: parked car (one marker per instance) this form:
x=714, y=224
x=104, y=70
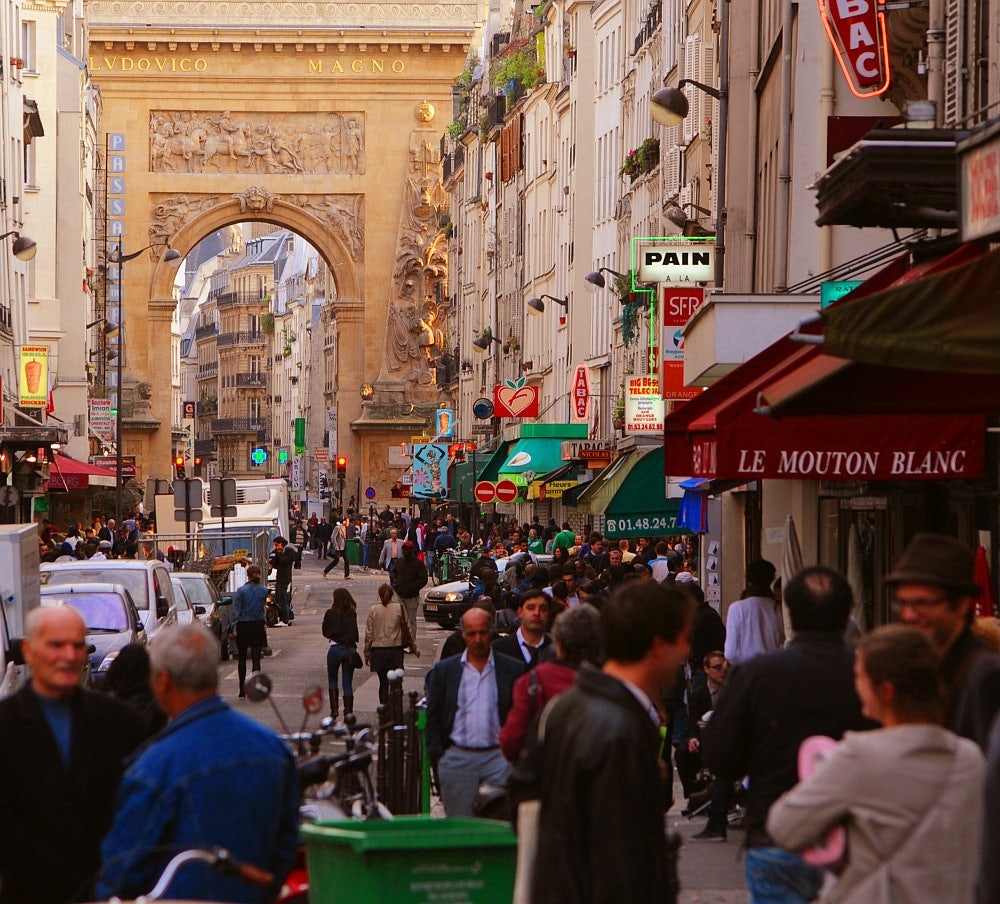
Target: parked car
x=147, y=581
x=445, y=604
x=110, y=615
x=185, y=606
x=213, y=609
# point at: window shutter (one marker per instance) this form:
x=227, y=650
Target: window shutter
x=954, y=17
x=505, y=154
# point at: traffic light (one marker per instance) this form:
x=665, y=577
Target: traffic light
x=197, y=467
x=341, y=467
x=179, y=467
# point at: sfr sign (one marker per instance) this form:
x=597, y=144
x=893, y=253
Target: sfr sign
x=856, y=29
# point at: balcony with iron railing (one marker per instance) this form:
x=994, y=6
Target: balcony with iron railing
x=207, y=407
x=255, y=380
x=206, y=331
x=228, y=340
x=208, y=371
x=237, y=299
x=237, y=425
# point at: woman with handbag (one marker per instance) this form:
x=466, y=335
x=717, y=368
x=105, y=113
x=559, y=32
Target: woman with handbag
x=909, y=794
x=387, y=634
x=340, y=627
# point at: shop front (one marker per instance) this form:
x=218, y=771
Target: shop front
x=70, y=487
x=862, y=453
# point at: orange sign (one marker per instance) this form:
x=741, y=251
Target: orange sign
x=33, y=389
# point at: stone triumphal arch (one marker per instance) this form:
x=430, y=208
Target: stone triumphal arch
x=320, y=117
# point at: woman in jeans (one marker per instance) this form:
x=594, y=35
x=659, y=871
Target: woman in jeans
x=387, y=632
x=340, y=627
x=247, y=621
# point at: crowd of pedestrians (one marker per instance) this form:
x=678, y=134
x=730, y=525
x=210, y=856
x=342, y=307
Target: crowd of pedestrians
x=578, y=686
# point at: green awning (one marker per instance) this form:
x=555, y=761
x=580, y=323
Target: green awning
x=531, y=458
x=639, y=507
x=600, y=490
x=491, y=470
x=948, y=321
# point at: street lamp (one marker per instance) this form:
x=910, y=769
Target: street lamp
x=24, y=248
x=595, y=280
x=117, y=255
x=484, y=342
x=537, y=306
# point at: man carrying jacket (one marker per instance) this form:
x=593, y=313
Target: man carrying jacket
x=603, y=792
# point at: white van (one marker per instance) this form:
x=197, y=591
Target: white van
x=147, y=580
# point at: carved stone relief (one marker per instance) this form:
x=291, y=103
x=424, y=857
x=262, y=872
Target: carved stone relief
x=417, y=322
x=343, y=215
x=305, y=143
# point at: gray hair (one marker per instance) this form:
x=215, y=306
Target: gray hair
x=577, y=633
x=189, y=654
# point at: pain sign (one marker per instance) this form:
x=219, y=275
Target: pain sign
x=856, y=29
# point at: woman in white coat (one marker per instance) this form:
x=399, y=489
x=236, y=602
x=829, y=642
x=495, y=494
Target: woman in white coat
x=909, y=794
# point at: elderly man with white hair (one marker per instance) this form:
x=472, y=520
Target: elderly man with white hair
x=213, y=777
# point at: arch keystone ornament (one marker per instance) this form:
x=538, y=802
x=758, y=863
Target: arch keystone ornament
x=857, y=31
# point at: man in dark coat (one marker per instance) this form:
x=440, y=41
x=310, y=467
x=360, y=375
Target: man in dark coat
x=282, y=560
x=61, y=758
x=601, y=835
x=772, y=703
x=468, y=698
x=934, y=592
x=408, y=578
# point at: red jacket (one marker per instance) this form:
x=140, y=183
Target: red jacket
x=530, y=697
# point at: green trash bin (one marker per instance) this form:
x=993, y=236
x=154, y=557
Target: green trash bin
x=410, y=860
x=353, y=549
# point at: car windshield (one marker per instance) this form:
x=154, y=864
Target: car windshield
x=100, y=611
x=199, y=590
x=133, y=579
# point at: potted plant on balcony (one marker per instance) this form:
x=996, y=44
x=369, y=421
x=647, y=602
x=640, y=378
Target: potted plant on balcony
x=618, y=412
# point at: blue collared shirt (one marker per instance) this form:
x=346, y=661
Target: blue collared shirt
x=477, y=718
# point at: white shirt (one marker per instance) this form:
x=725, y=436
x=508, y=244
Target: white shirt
x=753, y=626
x=477, y=717
x=660, y=566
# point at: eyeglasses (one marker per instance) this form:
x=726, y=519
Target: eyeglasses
x=717, y=668
x=919, y=602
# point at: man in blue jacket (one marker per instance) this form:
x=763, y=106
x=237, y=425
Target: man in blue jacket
x=468, y=698
x=212, y=777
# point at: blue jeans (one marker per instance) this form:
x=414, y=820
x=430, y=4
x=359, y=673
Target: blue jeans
x=364, y=555
x=776, y=876
x=337, y=659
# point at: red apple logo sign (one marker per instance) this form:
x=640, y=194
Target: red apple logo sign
x=514, y=399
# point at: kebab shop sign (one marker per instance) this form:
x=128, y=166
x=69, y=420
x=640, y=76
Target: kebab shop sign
x=643, y=406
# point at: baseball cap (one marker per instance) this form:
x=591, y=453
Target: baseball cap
x=105, y=544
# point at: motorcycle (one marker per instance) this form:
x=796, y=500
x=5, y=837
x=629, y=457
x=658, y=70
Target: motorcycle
x=333, y=786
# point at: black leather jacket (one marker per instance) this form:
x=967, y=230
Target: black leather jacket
x=601, y=831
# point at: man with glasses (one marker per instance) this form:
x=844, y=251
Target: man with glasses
x=934, y=591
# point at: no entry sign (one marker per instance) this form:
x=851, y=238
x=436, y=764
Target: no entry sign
x=506, y=491
x=485, y=491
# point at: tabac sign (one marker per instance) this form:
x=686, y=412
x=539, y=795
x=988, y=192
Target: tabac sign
x=856, y=29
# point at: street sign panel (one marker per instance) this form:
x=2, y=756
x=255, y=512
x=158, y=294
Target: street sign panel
x=485, y=491
x=222, y=495
x=506, y=490
x=188, y=494
x=369, y=493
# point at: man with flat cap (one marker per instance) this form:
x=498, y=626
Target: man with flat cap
x=934, y=591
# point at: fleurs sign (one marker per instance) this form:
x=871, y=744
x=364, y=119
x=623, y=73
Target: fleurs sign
x=856, y=29
x=514, y=399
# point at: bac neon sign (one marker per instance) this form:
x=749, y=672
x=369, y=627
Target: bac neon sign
x=856, y=29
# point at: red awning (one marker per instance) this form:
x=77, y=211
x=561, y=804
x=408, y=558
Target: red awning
x=67, y=473
x=834, y=385
x=721, y=434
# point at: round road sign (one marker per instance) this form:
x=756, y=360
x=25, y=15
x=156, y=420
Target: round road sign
x=485, y=491
x=370, y=493
x=506, y=491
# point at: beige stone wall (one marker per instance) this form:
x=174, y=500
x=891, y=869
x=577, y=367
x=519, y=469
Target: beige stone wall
x=215, y=118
